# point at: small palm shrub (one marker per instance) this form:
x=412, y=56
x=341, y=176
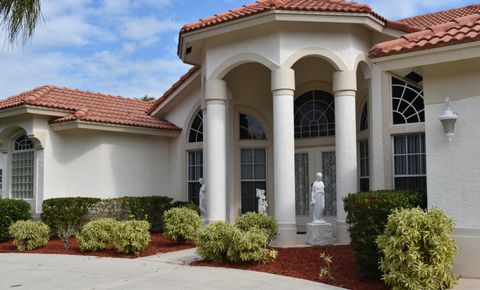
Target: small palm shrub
x=252, y=220
x=214, y=240
x=419, y=252
x=250, y=247
x=132, y=237
x=97, y=235
x=12, y=210
x=181, y=224
x=29, y=235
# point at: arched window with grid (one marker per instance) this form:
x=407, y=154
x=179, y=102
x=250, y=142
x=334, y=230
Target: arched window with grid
x=195, y=158
x=407, y=103
x=22, y=168
x=195, y=134
x=314, y=115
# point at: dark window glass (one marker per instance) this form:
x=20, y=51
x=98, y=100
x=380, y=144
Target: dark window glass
x=253, y=177
x=250, y=128
x=364, y=118
x=410, y=167
x=196, y=130
x=195, y=172
x=314, y=115
x=364, y=166
x=408, y=104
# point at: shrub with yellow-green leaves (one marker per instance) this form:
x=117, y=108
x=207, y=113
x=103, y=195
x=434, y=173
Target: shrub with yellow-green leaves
x=29, y=235
x=250, y=247
x=181, y=224
x=98, y=235
x=132, y=237
x=251, y=220
x=214, y=240
x=418, y=250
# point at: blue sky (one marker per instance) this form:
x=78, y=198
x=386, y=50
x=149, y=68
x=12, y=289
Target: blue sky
x=128, y=47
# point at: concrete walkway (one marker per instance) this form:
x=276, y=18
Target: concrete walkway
x=167, y=271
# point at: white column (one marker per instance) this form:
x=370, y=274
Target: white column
x=215, y=142
x=283, y=86
x=344, y=87
x=376, y=115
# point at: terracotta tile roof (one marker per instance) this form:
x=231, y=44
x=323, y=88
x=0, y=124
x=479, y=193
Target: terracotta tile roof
x=424, y=21
x=154, y=104
x=91, y=107
x=460, y=30
x=268, y=5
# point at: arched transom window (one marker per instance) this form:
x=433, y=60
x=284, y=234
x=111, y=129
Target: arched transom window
x=407, y=103
x=250, y=128
x=22, y=168
x=195, y=134
x=364, y=118
x=315, y=115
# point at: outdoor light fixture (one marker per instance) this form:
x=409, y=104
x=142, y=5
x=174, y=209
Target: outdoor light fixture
x=448, y=119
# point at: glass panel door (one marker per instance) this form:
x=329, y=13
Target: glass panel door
x=253, y=162
x=302, y=185
x=329, y=178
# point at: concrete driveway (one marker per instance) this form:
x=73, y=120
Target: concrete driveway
x=167, y=271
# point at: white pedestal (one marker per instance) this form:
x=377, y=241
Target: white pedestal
x=320, y=234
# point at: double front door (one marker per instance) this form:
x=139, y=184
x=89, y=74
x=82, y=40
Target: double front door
x=307, y=163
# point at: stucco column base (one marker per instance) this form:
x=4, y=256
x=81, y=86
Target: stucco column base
x=467, y=264
x=287, y=236
x=342, y=234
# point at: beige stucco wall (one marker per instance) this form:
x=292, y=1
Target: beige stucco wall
x=453, y=168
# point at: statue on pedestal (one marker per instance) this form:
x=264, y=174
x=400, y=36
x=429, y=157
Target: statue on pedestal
x=202, y=204
x=262, y=201
x=318, y=199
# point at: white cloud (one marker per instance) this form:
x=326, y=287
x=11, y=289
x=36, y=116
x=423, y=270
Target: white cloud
x=147, y=28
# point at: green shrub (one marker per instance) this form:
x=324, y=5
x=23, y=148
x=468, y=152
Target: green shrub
x=367, y=215
x=214, y=240
x=181, y=224
x=63, y=213
x=252, y=220
x=29, y=235
x=250, y=247
x=132, y=237
x=97, y=235
x=11, y=211
x=115, y=208
x=187, y=204
x=149, y=208
x=419, y=252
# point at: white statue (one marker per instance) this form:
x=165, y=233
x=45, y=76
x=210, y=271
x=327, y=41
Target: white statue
x=318, y=199
x=262, y=201
x=202, y=198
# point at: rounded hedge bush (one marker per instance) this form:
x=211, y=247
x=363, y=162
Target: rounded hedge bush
x=250, y=247
x=132, y=237
x=181, y=224
x=12, y=210
x=418, y=250
x=251, y=220
x=214, y=240
x=29, y=235
x=97, y=235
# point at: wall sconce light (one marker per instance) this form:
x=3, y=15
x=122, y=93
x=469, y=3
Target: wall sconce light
x=448, y=119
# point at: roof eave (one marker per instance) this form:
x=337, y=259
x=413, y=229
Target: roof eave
x=21, y=109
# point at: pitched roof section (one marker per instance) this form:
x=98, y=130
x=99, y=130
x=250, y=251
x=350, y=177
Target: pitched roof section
x=154, y=104
x=294, y=5
x=90, y=107
x=460, y=30
x=422, y=22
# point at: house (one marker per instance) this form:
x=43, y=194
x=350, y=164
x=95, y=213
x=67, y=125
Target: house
x=279, y=90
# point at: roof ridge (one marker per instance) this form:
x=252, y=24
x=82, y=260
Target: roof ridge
x=441, y=11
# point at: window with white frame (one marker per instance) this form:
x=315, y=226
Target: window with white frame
x=314, y=115
x=22, y=168
x=253, y=162
x=250, y=128
x=407, y=103
x=409, y=154
x=195, y=158
x=364, y=166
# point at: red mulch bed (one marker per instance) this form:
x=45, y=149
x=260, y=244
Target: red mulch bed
x=305, y=263
x=158, y=244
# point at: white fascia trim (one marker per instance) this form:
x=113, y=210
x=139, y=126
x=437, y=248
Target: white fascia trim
x=176, y=92
x=281, y=15
x=429, y=56
x=35, y=110
x=76, y=124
